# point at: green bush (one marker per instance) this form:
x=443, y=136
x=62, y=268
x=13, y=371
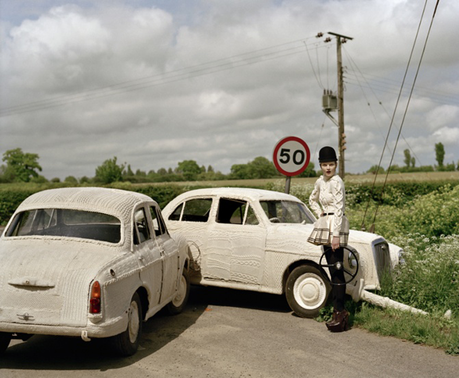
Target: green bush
x=429, y=279
x=10, y=200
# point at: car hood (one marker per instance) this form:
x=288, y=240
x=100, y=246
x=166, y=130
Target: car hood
x=49, y=279
x=302, y=231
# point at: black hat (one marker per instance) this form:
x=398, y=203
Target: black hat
x=327, y=154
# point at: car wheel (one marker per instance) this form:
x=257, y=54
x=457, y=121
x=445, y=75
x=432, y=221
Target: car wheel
x=127, y=343
x=177, y=304
x=5, y=339
x=307, y=291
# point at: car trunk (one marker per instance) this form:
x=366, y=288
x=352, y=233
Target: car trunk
x=48, y=284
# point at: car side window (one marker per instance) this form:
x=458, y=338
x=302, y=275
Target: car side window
x=195, y=210
x=251, y=218
x=141, y=228
x=233, y=211
x=158, y=223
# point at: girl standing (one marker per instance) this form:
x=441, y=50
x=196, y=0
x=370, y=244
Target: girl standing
x=331, y=231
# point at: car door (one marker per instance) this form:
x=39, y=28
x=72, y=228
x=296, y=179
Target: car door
x=236, y=245
x=169, y=253
x=149, y=254
x=191, y=219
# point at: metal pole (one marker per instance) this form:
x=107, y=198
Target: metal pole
x=288, y=179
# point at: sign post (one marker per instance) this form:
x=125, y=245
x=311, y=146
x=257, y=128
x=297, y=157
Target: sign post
x=291, y=157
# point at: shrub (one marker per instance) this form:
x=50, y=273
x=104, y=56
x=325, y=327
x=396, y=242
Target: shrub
x=429, y=279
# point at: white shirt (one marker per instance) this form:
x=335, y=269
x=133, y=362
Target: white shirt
x=328, y=196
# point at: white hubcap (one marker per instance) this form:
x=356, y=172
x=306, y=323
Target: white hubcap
x=309, y=291
x=180, y=296
x=134, y=323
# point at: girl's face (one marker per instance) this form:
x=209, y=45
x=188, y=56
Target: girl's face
x=328, y=169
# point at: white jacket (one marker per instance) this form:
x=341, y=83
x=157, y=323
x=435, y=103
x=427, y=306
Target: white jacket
x=328, y=197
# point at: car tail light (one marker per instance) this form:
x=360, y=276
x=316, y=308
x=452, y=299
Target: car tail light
x=94, y=300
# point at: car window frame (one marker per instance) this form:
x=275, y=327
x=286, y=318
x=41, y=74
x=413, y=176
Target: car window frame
x=136, y=240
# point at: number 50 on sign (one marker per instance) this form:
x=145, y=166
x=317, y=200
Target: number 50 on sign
x=291, y=156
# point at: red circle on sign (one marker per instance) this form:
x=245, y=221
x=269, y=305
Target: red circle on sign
x=291, y=156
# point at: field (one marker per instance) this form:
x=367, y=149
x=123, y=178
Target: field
x=350, y=178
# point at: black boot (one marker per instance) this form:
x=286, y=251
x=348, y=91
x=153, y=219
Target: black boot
x=333, y=320
x=340, y=321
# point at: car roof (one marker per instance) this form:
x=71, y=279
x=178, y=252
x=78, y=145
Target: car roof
x=253, y=194
x=105, y=200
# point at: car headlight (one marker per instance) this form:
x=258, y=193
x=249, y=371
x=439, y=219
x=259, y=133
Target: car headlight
x=352, y=261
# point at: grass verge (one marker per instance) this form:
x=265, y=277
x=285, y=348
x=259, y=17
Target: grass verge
x=432, y=330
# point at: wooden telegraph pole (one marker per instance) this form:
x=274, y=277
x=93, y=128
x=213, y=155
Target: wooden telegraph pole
x=341, y=135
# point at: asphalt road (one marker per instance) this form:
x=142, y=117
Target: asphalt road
x=225, y=333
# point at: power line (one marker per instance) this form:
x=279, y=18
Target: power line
x=228, y=63
x=406, y=108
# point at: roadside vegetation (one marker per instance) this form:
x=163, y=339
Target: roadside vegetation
x=423, y=219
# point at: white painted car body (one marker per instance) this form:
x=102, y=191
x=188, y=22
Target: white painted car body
x=47, y=271
x=250, y=252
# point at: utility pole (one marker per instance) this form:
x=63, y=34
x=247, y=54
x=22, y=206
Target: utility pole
x=341, y=135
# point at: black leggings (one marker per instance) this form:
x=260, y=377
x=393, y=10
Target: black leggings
x=337, y=277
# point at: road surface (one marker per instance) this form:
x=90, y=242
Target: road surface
x=226, y=333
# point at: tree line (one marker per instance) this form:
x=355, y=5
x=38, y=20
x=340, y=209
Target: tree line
x=410, y=163
x=24, y=167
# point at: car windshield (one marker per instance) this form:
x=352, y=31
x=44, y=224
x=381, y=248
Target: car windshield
x=66, y=223
x=287, y=212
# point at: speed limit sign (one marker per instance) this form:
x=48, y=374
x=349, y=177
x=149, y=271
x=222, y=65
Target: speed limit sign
x=291, y=156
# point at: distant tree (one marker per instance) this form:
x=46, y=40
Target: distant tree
x=210, y=169
x=450, y=167
x=407, y=159
x=189, y=169
x=85, y=180
x=239, y=171
x=39, y=179
x=375, y=169
x=439, y=154
x=261, y=167
x=109, y=171
x=413, y=161
x=162, y=171
x=56, y=180
x=309, y=171
x=21, y=166
x=71, y=180
x=128, y=172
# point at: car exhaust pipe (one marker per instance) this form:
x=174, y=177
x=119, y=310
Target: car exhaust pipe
x=84, y=336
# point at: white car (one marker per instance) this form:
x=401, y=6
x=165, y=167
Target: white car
x=88, y=262
x=253, y=239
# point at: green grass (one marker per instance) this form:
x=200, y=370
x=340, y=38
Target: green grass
x=432, y=330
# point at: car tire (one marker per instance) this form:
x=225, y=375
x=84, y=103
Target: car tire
x=307, y=290
x=5, y=339
x=127, y=343
x=180, y=300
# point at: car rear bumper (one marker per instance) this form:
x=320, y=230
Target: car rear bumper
x=100, y=330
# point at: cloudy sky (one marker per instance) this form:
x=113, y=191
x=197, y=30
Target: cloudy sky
x=156, y=82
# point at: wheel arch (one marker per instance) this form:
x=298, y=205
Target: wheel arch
x=295, y=265
x=144, y=301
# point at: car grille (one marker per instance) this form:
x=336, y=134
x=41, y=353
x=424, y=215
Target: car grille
x=382, y=258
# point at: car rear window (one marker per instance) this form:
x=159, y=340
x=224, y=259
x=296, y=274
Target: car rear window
x=66, y=223
x=196, y=210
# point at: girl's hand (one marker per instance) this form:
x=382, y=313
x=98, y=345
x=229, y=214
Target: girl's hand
x=335, y=242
